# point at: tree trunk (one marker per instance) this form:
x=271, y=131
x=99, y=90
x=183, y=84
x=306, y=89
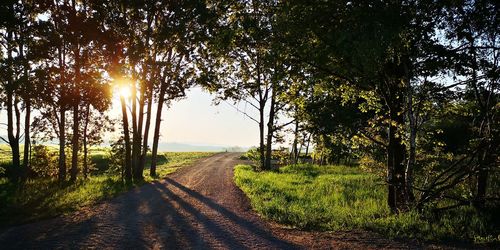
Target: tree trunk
x=300, y=150
x=261, y=136
x=308, y=143
x=18, y=127
x=134, y=130
x=484, y=133
x=396, y=151
x=486, y=158
x=156, y=136
x=413, y=147
x=295, y=142
x=62, y=115
x=262, y=105
x=146, y=130
x=62, y=145
x=75, y=146
x=13, y=139
x=27, y=119
x=139, y=168
x=85, y=149
x=26, y=153
x=127, y=165
x=76, y=111
x=270, y=131
x=482, y=181
x=142, y=152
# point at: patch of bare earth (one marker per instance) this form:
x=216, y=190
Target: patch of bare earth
x=197, y=207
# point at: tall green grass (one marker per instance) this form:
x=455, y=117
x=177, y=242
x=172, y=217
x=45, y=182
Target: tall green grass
x=330, y=198
x=42, y=198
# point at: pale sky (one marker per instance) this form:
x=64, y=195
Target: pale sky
x=196, y=120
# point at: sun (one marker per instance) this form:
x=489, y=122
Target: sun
x=122, y=85
x=124, y=91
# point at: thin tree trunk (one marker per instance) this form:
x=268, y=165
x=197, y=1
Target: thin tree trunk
x=485, y=159
x=137, y=143
x=135, y=132
x=76, y=111
x=27, y=122
x=146, y=129
x=13, y=139
x=299, y=150
x=85, y=149
x=308, y=144
x=141, y=153
x=127, y=165
x=13, y=142
x=62, y=145
x=485, y=153
x=161, y=100
x=482, y=181
x=413, y=147
x=18, y=125
x=261, y=141
x=396, y=161
x=270, y=131
x=75, y=146
x=295, y=141
x=62, y=116
x=27, y=101
x=156, y=136
x=262, y=105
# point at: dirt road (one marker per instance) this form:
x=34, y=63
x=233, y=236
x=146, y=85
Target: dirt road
x=197, y=207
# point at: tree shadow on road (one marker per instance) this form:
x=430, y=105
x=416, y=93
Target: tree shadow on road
x=251, y=228
x=158, y=215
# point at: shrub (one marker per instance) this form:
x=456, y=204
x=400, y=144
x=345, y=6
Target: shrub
x=43, y=161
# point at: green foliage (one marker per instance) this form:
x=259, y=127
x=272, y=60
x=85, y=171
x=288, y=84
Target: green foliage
x=117, y=156
x=343, y=198
x=43, y=161
x=280, y=155
x=252, y=154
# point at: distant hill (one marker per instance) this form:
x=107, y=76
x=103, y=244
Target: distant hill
x=181, y=147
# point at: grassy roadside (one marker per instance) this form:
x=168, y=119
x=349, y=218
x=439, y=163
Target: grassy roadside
x=42, y=198
x=330, y=198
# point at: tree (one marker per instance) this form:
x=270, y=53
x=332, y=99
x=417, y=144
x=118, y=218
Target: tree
x=18, y=27
x=473, y=26
x=178, y=36
x=368, y=46
x=248, y=67
x=397, y=63
x=71, y=61
x=88, y=86
x=156, y=47
x=95, y=124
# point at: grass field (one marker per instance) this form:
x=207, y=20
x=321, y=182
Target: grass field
x=330, y=198
x=43, y=198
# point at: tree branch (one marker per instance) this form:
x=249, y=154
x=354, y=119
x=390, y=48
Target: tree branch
x=237, y=109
